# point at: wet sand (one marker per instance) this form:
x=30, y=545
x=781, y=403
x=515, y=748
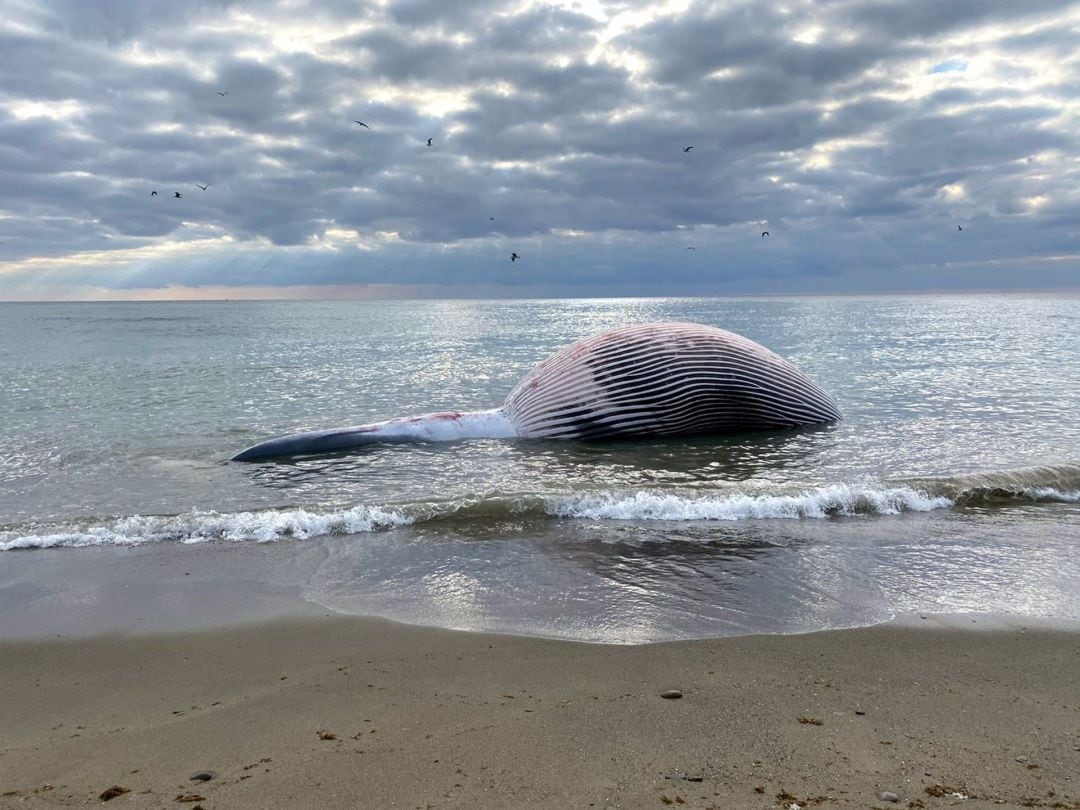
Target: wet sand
x=351, y=712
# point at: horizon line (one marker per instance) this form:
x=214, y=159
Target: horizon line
x=951, y=291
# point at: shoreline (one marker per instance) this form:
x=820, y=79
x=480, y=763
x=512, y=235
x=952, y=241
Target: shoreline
x=176, y=587
x=346, y=711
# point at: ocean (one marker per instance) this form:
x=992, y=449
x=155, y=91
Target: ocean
x=952, y=485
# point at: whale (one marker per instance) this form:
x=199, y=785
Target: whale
x=644, y=380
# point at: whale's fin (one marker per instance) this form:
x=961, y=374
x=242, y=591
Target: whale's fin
x=434, y=427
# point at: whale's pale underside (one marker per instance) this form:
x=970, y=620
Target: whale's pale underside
x=654, y=379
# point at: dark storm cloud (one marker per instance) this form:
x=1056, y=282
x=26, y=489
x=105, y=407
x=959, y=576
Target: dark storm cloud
x=930, y=18
x=826, y=124
x=750, y=40
x=423, y=13
x=118, y=20
x=500, y=50
x=1055, y=41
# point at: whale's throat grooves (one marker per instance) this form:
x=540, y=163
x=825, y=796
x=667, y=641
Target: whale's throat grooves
x=664, y=379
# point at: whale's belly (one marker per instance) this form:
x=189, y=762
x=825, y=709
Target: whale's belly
x=664, y=379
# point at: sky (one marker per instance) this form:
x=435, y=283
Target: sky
x=883, y=145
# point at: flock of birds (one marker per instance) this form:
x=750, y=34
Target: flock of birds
x=513, y=256
x=177, y=195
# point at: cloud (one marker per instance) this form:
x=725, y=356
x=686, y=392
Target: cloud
x=115, y=21
x=924, y=19
x=859, y=134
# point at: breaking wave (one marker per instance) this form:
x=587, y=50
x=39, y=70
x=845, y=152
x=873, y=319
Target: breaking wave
x=1053, y=484
x=836, y=500
x=197, y=527
x=1040, y=485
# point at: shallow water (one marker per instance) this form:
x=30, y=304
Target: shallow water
x=953, y=483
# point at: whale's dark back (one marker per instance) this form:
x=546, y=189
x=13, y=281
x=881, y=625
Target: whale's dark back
x=664, y=379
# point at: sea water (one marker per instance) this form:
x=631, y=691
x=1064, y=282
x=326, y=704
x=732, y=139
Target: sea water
x=952, y=485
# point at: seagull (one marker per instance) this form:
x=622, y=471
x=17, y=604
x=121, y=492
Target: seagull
x=687, y=149
x=429, y=141
x=204, y=188
x=361, y=123
x=176, y=195
x=692, y=248
x=225, y=93
x=764, y=234
x=514, y=257
x=153, y=193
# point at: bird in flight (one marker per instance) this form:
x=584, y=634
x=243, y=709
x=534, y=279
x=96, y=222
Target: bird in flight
x=959, y=228
x=204, y=188
x=153, y=193
x=492, y=218
x=764, y=234
x=429, y=141
x=176, y=195
x=514, y=257
x=225, y=93
x=692, y=248
x=688, y=148
x=361, y=123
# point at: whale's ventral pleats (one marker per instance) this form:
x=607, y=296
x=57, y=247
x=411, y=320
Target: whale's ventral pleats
x=664, y=379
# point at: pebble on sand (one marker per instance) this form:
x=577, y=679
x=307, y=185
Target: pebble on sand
x=113, y=792
x=671, y=694
x=888, y=796
x=202, y=776
x=1021, y=758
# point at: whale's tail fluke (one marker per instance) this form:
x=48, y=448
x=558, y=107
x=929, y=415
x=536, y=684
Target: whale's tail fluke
x=493, y=424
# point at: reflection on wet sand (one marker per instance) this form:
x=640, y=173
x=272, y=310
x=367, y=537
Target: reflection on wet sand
x=646, y=581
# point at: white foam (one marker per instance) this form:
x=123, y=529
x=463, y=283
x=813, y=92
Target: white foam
x=837, y=499
x=1052, y=494
x=271, y=525
x=202, y=526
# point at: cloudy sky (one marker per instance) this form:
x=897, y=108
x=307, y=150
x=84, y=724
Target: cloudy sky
x=861, y=134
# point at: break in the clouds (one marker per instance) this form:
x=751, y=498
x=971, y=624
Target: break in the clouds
x=883, y=146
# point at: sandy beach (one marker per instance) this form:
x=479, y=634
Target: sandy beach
x=351, y=712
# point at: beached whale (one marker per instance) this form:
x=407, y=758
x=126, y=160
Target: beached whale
x=654, y=379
